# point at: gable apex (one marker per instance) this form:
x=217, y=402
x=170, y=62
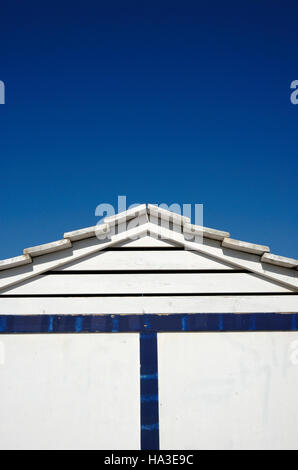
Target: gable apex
x=256, y=258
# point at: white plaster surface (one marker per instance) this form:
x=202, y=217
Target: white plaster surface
x=70, y=392
x=140, y=305
x=228, y=390
x=145, y=284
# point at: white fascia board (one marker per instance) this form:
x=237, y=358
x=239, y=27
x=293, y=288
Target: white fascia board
x=205, y=232
x=251, y=262
x=279, y=260
x=126, y=215
x=87, y=232
x=14, y=262
x=50, y=263
x=167, y=215
x=245, y=246
x=47, y=248
x=284, y=276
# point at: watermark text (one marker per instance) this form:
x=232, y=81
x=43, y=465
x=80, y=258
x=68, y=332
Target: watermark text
x=294, y=94
x=2, y=92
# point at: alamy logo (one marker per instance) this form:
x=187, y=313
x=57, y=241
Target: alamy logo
x=2, y=92
x=294, y=94
x=169, y=221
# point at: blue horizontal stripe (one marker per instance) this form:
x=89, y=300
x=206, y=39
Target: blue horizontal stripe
x=115, y=324
x=184, y=323
x=139, y=323
x=2, y=324
x=51, y=324
x=79, y=324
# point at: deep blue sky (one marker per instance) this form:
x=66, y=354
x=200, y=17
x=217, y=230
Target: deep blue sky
x=185, y=102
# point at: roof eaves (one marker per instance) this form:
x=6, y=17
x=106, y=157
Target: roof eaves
x=158, y=212
x=48, y=248
x=245, y=246
x=88, y=232
x=15, y=262
x=167, y=215
x=279, y=260
x=125, y=216
x=205, y=232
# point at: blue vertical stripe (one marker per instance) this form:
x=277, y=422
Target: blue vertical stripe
x=149, y=391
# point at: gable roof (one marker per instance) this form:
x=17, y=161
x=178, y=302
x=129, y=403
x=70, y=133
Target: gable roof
x=253, y=257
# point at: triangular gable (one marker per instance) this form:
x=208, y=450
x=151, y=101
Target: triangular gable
x=147, y=254
x=83, y=243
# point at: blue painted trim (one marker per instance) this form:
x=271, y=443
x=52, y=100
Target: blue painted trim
x=10, y=324
x=149, y=391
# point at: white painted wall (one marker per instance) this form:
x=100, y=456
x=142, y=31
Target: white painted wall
x=216, y=390
x=228, y=391
x=142, y=260
x=140, y=305
x=205, y=284
x=145, y=284
x=69, y=391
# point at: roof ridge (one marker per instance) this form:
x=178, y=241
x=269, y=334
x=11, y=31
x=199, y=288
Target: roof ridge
x=157, y=212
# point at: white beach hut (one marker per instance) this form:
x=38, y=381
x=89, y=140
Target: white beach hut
x=148, y=332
